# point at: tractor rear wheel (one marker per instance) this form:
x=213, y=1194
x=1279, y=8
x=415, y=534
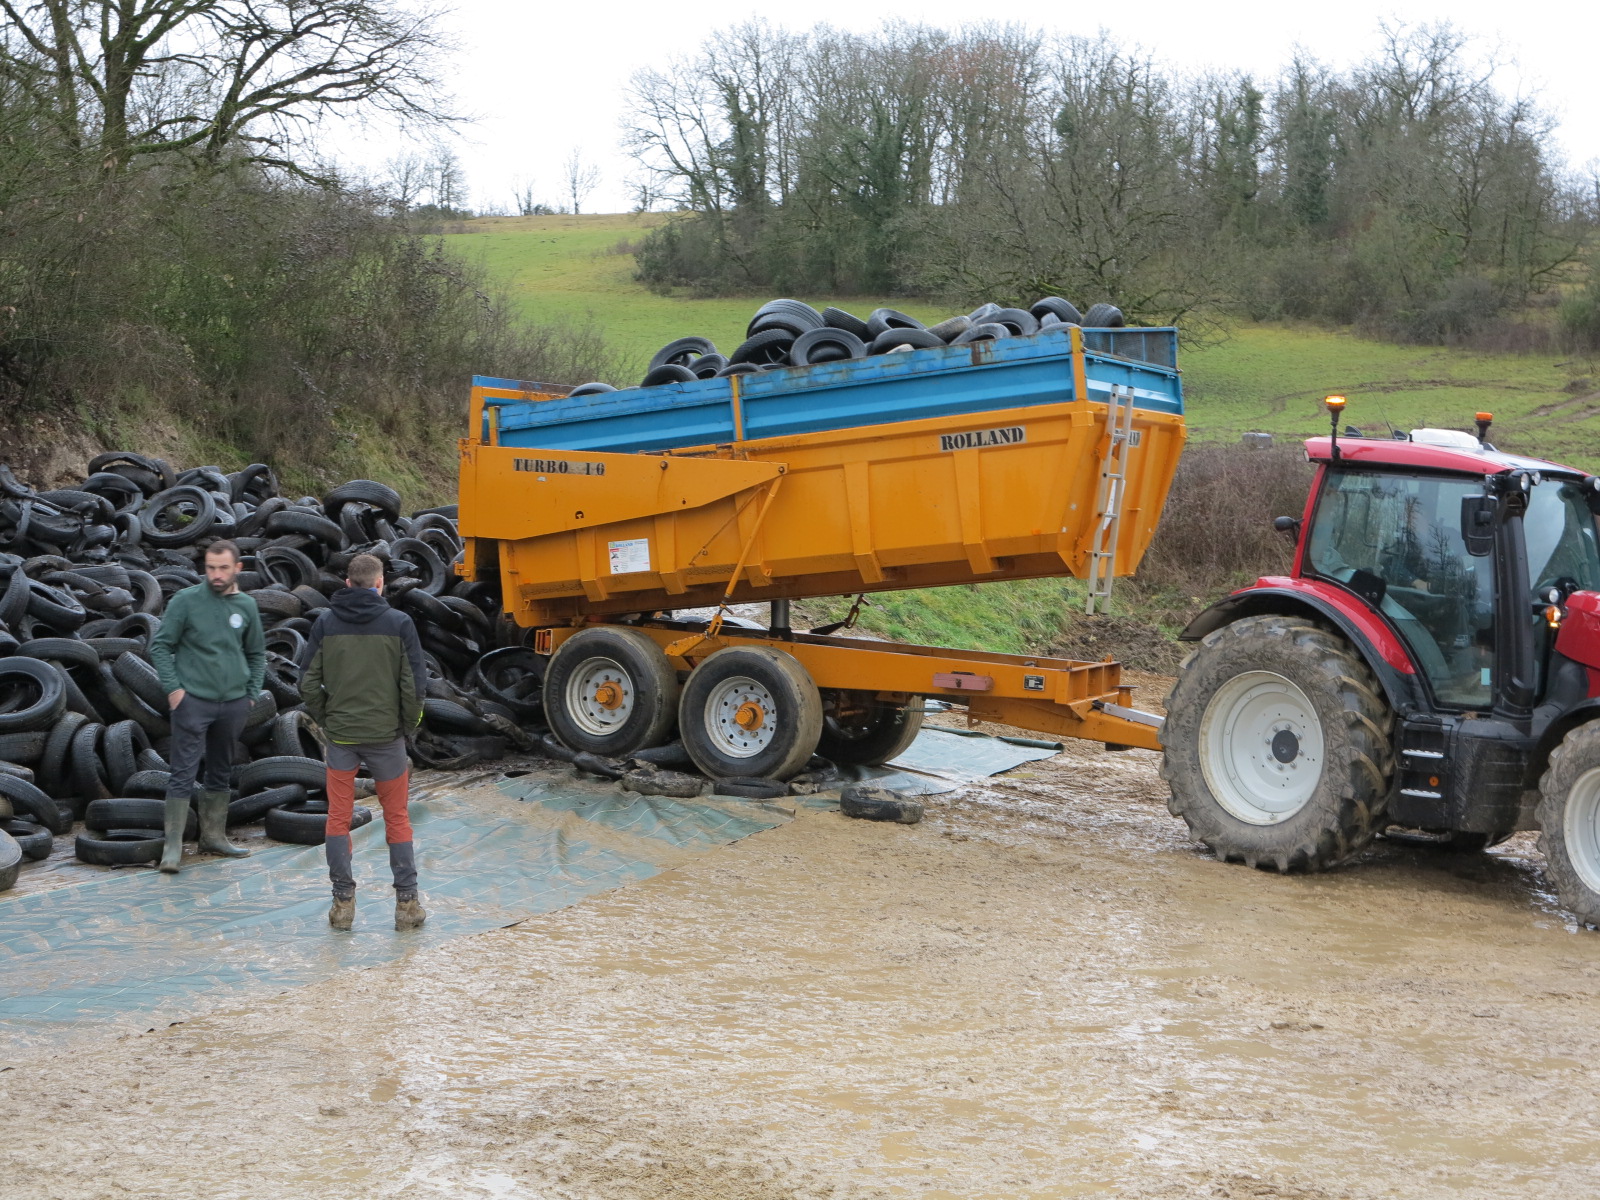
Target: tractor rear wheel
x=1278, y=745
x=1569, y=818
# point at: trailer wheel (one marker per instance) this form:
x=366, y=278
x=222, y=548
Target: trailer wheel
x=856, y=728
x=610, y=691
x=1277, y=745
x=1569, y=817
x=748, y=710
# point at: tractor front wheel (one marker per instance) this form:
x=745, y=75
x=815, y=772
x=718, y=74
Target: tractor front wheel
x=1278, y=745
x=1569, y=818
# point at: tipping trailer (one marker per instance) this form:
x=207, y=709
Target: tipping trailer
x=603, y=516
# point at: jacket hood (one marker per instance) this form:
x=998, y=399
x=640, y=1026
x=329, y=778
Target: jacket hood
x=358, y=604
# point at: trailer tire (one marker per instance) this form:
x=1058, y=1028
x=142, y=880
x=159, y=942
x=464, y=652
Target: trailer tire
x=866, y=733
x=765, y=348
x=640, y=700
x=825, y=345
x=750, y=710
x=682, y=353
x=1569, y=820
x=1064, y=311
x=667, y=373
x=1278, y=745
x=1103, y=316
x=898, y=335
x=838, y=318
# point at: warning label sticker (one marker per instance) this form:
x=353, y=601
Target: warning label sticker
x=629, y=556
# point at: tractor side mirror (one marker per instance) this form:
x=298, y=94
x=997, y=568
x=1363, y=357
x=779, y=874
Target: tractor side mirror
x=1288, y=526
x=1477, y=524
x=1591, y=493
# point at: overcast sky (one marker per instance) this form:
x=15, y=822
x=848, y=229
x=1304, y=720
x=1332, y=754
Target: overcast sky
x=544, y=79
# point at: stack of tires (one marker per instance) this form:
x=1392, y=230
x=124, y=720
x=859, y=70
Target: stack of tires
x=85, y=575
x=790, y=333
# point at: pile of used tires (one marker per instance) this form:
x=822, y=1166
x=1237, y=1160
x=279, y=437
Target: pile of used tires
x=85, y=574
x=790, y=333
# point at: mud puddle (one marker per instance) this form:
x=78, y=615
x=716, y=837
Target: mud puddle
x=1044, y=990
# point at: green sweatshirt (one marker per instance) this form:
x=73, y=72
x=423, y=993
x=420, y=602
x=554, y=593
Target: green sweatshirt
x=210, y=645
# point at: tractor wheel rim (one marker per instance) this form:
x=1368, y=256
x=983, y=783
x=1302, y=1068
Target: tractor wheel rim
x=740, y=716
x=1261, y=747
x=600, y=696
x=1580, y=821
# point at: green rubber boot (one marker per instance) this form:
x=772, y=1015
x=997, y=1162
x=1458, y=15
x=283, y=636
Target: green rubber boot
x=213, y=826
x=177, y=818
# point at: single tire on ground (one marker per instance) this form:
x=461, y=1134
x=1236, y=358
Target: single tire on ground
x=133, y=812
x=248, y=809
x=750, y=710
x=1278, y=745
x=856, y=728
x=119, y=847
x=610, y=692
x=281, y=769
x=867, y=802
x=1569, y=820
x=34, y=840
x=306, y=823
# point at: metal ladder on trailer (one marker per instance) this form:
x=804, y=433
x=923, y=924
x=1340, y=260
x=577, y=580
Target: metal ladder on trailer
x=1109, y=497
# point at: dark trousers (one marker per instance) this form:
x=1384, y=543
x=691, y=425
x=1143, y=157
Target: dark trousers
x=204, y=732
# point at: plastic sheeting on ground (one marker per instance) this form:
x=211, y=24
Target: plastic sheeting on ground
x=134, y=948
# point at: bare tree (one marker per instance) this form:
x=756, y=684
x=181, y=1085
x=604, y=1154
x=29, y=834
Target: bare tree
x=219, y=79
x=404, y=180
x=446, y=181
x=580, y=177
x=524, y=199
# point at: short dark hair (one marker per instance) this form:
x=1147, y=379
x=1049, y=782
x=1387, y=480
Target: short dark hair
x=225, y=546
x=364, y=570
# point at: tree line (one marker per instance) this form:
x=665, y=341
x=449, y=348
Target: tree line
x=1407, y=193
x=170, y=238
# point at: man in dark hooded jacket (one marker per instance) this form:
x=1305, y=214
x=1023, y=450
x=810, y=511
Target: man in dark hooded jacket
x=362, y=679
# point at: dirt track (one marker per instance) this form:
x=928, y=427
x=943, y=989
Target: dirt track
x=1044, y=990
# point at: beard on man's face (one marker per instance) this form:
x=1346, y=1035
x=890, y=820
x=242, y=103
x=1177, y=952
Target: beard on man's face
x=219, y=586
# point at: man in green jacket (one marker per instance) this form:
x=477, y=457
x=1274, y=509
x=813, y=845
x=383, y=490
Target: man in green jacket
x=211, y=657
x=362, y=678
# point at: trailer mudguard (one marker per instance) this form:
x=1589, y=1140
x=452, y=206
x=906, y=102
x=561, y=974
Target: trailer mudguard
x=1379, y=646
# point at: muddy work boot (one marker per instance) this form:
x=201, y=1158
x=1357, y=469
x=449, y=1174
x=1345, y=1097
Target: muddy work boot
x=176, y=818
x=408, y=911
x=213, y=826
x=343, y=913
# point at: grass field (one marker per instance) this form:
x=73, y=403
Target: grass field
x=1264, y=377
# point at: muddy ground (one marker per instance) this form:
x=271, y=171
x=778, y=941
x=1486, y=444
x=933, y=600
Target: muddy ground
x=1044, y=990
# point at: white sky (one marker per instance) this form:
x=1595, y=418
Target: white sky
x=544, y=79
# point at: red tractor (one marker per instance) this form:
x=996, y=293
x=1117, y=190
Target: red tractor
x=1432, y=663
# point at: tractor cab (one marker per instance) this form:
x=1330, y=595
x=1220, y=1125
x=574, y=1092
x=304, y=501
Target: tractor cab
x=1434, y=648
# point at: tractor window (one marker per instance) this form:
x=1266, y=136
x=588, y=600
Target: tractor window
x=1562, y=553
x=1396, y=540
x=1561, y=539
